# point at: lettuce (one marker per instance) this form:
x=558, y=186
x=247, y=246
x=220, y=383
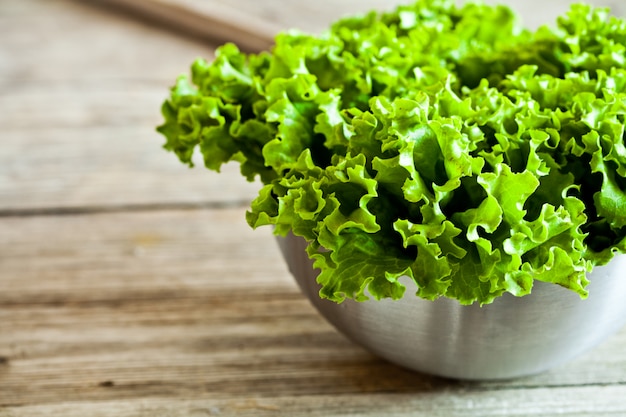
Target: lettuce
x=443, y=143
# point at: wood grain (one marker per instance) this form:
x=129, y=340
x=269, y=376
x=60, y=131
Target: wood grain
x=79, y=131
x=162, y=304
x=440, y=403
x=180, y=310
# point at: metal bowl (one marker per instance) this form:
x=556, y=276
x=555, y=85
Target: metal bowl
x=512, y=337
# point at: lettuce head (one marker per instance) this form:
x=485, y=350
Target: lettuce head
x=440, y=142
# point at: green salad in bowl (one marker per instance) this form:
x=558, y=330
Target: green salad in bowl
x=448, y=188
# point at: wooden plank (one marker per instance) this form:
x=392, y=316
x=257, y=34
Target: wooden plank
x=79, y=131
x=71, y=42
x=104, y=167
x=441, y=403
x=136, y=252
x=190, y=309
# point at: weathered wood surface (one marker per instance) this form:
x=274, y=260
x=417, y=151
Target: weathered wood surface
x=131, y=285
x=172, y=311
x=80, y=93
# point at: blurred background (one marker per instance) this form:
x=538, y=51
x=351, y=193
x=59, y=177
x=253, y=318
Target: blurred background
x=262, y=19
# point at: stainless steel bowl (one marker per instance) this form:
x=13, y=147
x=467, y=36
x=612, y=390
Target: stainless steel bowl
x=513, y=337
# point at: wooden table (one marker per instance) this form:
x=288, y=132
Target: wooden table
x=131, y=285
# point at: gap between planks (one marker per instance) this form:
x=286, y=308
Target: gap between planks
x=122, y=208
